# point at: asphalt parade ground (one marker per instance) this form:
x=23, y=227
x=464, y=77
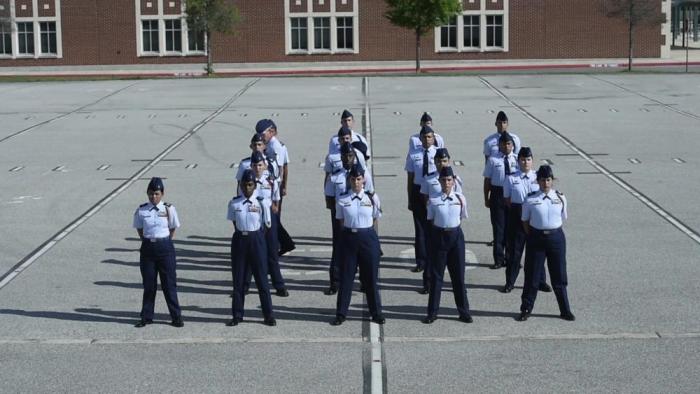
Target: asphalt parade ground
x=75, y=158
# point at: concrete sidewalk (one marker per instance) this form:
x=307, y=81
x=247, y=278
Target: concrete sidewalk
x=677, y=59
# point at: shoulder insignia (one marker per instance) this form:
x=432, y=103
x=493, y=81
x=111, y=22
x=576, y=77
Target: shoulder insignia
x=559, y=193
x=260, y=198
x=143, y=205
x=532, y=194
x=167, y=204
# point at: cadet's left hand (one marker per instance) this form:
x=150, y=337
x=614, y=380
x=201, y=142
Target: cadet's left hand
x=283, y=191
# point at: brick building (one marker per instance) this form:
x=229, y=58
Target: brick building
x=108, y=32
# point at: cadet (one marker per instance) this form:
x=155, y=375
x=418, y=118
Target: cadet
x=257, y=144
x=543, y=215
x=358, y=212
x=358, y=141
x=515, y=191
x=267, y=187
x=335, y=184
x=491, y=142
x=155, y=222
x=497, y=168
x=414, y=143
x=278, y=152
x=445, y=213
x=249, y=213
x=419, y=163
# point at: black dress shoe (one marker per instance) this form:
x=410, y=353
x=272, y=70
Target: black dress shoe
x=286, y=250
x=424, y=290
x=496, y=266
x=282, y=292
x=234, y=322
x=568, y=316
x=177, y=323
x=270, y=321
x=429, y=319
x=143, y=323
x=338, y=321
x=379, y=319
x=417, y=269
x=466, y=318
x=507, y=289
x=545, y=288
x=523, y=315
x=331, y=290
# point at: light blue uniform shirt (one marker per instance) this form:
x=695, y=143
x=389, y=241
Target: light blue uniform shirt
x=495, y=169
x=431, y=185
x=545, y=211
x=358, y=210
x=447, y=211
x=334, y=144
x=336, y=184
x=156, y=221
x=267, y=187
x=248, y=214
x=245, y=165
x=519, y=185
x=414, y=142
x=414, y=163
x=491, y=144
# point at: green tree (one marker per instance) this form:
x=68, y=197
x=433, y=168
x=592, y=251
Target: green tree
x=421, y=16
x=634, y=13
x=211, y=16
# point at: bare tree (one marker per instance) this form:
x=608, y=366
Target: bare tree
x=635, y=13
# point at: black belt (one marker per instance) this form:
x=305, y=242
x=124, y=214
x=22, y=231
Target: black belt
x=357, y=230
x=246, y=233
x=547, y=232
x=154, y=240
x=446, y=229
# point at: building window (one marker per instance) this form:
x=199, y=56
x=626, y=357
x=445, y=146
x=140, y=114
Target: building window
x=344, y=33
x=471, y=31
x=322, y=33
x=448, y=34
x=173, y=35
x=25, y=38
x=48, y=37
x=5, y=39
x=300, y=40
x=195, y=40
x=494, y=31
x=150, y=35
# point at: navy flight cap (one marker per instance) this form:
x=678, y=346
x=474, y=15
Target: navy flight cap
x=425, y=118
x=441, y=153
x=426, y=130
x=257, y=157
x=525, y=151
x=501, y=117
x=356, y=171
x=156, y=184
x=346, y=114
x=257, y=138
x=446, y=171
x=544, y=172
x=505, y=137
x=343, y=131
x=264, y=124
x=248, y=176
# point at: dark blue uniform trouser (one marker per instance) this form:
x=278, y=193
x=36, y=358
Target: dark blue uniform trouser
x=158, y=259
x=333, y=269
x=283, y=238
x=273, y=259
x=549, y=245
x=361, y=247
x=420, y=225
x=499, y=224
x=515, y=244
x=249, y=252
x=448, y=251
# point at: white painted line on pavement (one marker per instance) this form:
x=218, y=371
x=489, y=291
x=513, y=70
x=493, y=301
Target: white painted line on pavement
x=609, y=174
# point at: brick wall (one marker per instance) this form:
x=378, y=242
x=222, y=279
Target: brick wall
x=104, y=32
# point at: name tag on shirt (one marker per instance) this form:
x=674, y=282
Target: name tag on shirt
x=556, y=201
x=366, y=204
x=162, y=214
x=253, y=208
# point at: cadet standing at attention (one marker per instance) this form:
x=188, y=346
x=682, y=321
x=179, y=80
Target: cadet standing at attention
x=249, y=213
x=155, y=222
x=515, y=191
x=357, y=140
x=419, y=163
x=445, y=214
x=498, y=168
x=544, y=212
x=414, y=141
x=491, y=142
x=358, y=212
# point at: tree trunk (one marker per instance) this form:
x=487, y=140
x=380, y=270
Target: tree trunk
x=210, y=67
x=417, y=51
x=630, y=31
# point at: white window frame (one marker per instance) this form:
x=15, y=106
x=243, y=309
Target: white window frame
x=161, y=17
x=9, y=32
x=309, y=15
x=482, y=13
x=35, y=20
x=438, y=41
